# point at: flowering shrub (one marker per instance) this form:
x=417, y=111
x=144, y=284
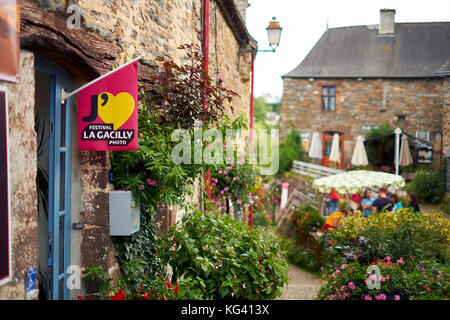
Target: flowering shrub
x=261, y=205
x=232, y=182
x=411, y=250
x=414, y=236
x=306, y=218
x=221, y=258
x=396, y=281
x=134, y=283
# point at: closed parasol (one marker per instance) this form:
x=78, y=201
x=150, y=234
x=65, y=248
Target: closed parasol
x=335, y=154
x=359, y=157
x=315, y=151
x=405, y=153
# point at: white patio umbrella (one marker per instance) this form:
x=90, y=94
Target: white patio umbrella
x=405, y=153
x=359, y=157
x=315, y=150
x=356, y=180
x=335, y=155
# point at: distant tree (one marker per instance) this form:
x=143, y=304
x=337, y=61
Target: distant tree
x=290, y=149
x=261, y=108
x=276, y=106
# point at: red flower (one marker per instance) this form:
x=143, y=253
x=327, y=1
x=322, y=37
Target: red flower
x=118, y=296
x=168, y=284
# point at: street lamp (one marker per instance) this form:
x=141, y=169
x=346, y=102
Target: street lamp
x=274, y=34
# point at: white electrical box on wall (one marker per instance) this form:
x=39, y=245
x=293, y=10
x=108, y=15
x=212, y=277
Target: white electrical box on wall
x=124, y=215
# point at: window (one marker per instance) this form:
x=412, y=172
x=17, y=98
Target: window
x=328, y=98
x=423, y=135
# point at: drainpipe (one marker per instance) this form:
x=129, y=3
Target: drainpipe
x=252, y=105
x=205, y=42
x=205, y=47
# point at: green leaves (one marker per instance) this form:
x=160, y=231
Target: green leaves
x=232, y=259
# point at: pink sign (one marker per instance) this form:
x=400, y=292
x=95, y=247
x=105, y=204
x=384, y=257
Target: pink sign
x=284, y=194
x=108, y=112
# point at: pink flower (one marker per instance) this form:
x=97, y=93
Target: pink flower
x=343, y=266
x=343, y=288
x=367, y=297
x=400, y=261
x=226, y=188
x=387, y=258
x=224, y=171
x=351, y=285
x=234, y=178
x=381, y=297
x=142, y=186
x=396, y=297
x=213, y=184
x=151, y=182
x=345, y=295
x=220, y=171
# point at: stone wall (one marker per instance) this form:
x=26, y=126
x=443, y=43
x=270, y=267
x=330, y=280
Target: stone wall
x=155, y=28
x=365, y=102
x=23, y=164
x=446, y=116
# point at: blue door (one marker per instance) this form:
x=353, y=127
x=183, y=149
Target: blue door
x=59, y=178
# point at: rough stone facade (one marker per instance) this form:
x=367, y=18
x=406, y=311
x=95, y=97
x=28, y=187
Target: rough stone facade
x=446, y=116
x=153, y=28
x=156, y=28
x=23, y=164
x=365, y=102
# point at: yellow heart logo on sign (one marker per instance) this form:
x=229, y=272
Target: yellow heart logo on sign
x=115, y=109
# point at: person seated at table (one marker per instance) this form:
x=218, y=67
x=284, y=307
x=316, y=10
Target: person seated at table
x=355, y=200
x=335, y=219
x=334, y=200
x=397, y=203
x=382, y=203
x=413, y=202
x=366, y=203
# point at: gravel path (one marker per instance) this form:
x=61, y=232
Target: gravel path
x=302, y=285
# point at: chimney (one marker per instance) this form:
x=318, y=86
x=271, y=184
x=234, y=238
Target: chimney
x=387, y=22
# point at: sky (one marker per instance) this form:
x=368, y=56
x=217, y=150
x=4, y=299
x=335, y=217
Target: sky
x=304, y=22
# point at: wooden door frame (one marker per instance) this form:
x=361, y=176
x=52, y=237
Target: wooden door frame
x=341, y=145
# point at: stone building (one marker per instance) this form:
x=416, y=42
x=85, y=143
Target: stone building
x=359, y=77
x=111, y=32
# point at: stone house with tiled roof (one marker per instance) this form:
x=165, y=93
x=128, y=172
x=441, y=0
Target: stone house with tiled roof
x=359, y=77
